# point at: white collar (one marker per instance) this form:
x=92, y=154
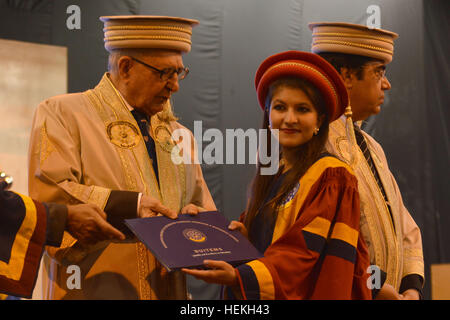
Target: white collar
x=126, y=102
x=130, y=108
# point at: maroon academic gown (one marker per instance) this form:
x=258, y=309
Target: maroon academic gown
x=314, y=249
x=23, y=226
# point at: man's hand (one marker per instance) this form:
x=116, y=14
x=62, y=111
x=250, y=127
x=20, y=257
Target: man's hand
x=87, y=223
x=411, y=294
x=191, y=209
x=151, y=207
x=388, y=292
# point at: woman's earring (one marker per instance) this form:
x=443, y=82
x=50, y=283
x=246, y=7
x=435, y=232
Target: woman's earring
x=316, y=131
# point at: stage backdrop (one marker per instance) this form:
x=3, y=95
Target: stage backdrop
x=234, y=37
x=30, y=73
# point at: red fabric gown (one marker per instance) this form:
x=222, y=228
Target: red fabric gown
x=316, y=251
x=23, y=225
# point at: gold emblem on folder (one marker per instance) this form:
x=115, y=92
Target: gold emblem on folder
x=194, y=235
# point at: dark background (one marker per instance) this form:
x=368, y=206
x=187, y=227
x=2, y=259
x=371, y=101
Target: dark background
x=234, y=37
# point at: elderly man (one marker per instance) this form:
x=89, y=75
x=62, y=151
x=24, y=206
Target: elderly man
x=111, y=146
x=360, y=55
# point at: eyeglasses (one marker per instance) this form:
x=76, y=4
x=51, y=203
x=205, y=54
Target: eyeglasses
x=167, y=73
x=379, y=71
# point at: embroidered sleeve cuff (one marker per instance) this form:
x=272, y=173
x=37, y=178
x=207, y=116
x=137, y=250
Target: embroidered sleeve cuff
x=255, y=281
x=248, y=283
x=121, y=205
x=56, y=224
x=412, y=281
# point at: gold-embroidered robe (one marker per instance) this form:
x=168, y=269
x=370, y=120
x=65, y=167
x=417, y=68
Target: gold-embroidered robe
x=85, y=145
x=395, y=244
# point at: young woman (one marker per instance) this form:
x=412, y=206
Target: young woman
x=306, y=217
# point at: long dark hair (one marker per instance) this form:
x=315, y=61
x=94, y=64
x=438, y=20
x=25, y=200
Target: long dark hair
x=307, y=153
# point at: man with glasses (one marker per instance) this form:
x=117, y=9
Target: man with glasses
x=360, y=55
x=111, y=146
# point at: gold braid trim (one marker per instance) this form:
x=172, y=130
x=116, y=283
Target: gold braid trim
x=117, y=38
x=180, y=29
x=352, y=44
x=46, y=146
x=350, y=35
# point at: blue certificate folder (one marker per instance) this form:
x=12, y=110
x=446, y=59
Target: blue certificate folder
x=188, y=240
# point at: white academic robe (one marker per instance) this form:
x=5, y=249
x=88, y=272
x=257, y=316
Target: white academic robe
x=395, y=244
x=85, y=145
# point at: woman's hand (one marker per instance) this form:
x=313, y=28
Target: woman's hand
x=236, y=225
x=219, y=272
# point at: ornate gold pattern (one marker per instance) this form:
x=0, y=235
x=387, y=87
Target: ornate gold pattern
x=136, y=161
x=143, y=271
x=343, y=156
x=171, y=195
x=99, y=196
x=164, y=138
x=118, y=111
x=106, y=118
x=384, y=236
x=351, y=35
x=180, y=29
x=353, y=44
x=46, y=146
x=123, y=134
x=118, y=38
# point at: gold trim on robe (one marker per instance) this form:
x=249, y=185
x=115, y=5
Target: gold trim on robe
x=395, y=246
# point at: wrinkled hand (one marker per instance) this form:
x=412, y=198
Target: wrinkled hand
x=87, y=223
x=388, y=292
x=151, y=207
x=219, y=272
x=411, y=294
x=191, y=209
x=236, y=225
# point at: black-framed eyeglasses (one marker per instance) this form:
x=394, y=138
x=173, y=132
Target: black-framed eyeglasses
x=167, y=73
x=378, y=70
x=381, y=72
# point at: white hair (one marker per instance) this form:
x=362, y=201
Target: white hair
x=116, y=54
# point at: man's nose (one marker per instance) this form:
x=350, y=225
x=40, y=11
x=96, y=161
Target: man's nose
x=385, y=84
x=172, y=84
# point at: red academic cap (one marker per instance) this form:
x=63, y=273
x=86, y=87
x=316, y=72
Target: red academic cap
x=308, y=66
